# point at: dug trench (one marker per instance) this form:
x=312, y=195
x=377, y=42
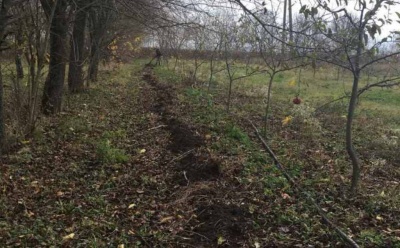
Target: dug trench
x=198, y=176
x=192, y=164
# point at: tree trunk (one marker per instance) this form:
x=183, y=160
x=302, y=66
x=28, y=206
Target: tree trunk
x=94, y=62
x=101, y=16
x=228, y=106
x=355, y=178
x=211, y=72
x=2, y=131
x=75, y=73
x=290, y=21
x=267, y=107
x=18, y=53
x=5, y=6
x=53, y=88
x=3, y=22
x=18, y=66
x=284, y=26
x=228, y=69
x=349, y=139
x=96, y=40
x=96, y=34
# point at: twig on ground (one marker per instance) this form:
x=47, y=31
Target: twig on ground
x=192, y=232
x=181, y=156
x=157, y=127
x=184, y=174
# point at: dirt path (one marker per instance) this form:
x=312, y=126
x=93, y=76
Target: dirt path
x=198, y=176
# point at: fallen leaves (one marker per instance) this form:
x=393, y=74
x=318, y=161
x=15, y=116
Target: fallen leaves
x=284, y=229
x=221, y=240
x=166, y=219
x=287, y=120
x=68, y=237
x=285, y=196
x=29, y=214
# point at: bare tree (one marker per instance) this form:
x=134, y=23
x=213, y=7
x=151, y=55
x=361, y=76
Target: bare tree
x=350, y=49
x=268, y=49
x=236, y=51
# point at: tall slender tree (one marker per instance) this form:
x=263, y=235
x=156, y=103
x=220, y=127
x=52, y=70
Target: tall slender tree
x=284, y=26
x=290, y=21
x=101, y=16
x=5, y=6
x=75, y=73
x=53, y=88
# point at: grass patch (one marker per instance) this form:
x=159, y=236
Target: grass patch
x=107, y=153
x=167, y=75
x=234, y=132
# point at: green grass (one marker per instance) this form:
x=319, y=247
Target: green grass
x=312, y=146
x=167, y=75
x=108, y=153
x=314, y=89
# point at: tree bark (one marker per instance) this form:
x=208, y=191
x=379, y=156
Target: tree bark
x=53, y=88
x=75, y=73
x=290, y=22
x=228, y=69
x=349, y=139
x=94, y=61
x=96, y=35
x=284, y=26
x=5, y=5
x=18, y=53
x=267, y=107
x=355, y=178
x=2, y=131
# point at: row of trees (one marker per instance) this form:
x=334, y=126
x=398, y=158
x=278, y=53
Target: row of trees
x=334, y=33
x=46, y=36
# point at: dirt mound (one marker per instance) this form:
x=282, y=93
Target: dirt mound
x=197, y=168
x=222, y=224
x=183, y=138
